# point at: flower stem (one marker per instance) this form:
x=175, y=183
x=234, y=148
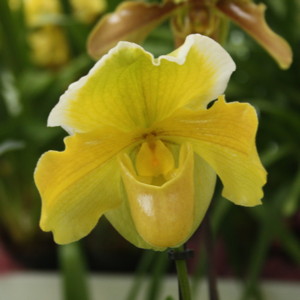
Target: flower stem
x=182, y=275
x=211, y=272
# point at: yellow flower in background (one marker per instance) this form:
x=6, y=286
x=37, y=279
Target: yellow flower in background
x=37, y=12
x=84, y=10
x=48, y=43
x=88, y=10
x=143, y=148
x=49, y=46
x=47, y=38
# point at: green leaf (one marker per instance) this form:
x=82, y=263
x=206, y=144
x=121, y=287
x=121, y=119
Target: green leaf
x=74, y=272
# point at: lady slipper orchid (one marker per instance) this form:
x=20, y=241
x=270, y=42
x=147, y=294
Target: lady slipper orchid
x=134, y=20
x=144, y=149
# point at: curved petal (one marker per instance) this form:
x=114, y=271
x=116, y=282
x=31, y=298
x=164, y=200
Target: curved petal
x=79, y=184
x=204, y=183
x=129, y=89
x=163, y=215
x=121, y=219
x=204, y=179
x=224, y=136
x=131, y=21
x=251, y=17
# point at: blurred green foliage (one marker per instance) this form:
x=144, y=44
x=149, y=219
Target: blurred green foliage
x=250, y=234
x=28, y=92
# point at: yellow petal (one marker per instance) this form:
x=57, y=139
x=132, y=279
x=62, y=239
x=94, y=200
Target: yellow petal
x=129, y=89
x=251, y=17
x=204, y=183
x=204, y=179
x=154, y=159
x=224, y=136
x=121, y=219
x=79, y=184
x=163, y=215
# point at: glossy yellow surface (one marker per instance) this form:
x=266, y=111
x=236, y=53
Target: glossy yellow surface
x=154, y=159
x=163, y=215
x=144, y=150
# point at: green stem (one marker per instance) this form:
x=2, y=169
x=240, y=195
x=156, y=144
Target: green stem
x=211, y=271
x=183, y=281
x=74, y=273
x=159, y=269
x=143, y=266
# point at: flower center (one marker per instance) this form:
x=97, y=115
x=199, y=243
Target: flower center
x=154, y=158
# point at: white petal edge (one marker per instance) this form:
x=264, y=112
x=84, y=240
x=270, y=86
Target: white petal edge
x=211, y=49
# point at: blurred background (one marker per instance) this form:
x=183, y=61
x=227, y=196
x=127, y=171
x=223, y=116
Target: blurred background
x=43, y=50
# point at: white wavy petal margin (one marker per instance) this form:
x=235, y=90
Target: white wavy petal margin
x=216, y=56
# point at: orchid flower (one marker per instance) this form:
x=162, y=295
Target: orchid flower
x=144, y=149
x=134, y=20
x=48, y=42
